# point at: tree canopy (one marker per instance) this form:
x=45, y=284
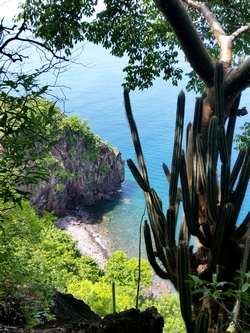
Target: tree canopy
x=23, y=144
x=139, y=30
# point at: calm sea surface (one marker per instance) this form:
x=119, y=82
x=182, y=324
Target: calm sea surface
x=94, y=92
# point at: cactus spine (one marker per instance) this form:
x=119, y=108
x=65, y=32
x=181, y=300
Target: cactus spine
x=211, y=210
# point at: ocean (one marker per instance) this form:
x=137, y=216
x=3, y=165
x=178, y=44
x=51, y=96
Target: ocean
x=93, y=91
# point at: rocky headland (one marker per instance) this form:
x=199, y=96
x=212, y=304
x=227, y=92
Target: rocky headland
x=82, y=169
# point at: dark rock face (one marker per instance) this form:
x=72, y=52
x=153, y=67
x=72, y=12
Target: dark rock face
x=74, y=316
x=133, y=321
x=75, y=178
x=67, y=307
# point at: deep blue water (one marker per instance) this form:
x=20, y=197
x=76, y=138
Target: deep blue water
x=94, y=92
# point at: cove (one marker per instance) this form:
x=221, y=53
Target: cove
x=94, y=92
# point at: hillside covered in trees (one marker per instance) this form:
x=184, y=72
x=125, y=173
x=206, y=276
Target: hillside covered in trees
x=213, y=277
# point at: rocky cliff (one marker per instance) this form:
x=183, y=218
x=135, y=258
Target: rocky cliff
x=82, y=170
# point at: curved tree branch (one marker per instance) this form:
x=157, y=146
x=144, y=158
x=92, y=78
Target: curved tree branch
x=225, y=42
x=240, y=31
x=189, y=39
x=15, y=56
x=237, y=79
x=214, y=24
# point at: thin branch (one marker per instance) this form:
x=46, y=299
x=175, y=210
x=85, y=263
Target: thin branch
x=36, y=43
x=214, y=24
x=240, y=31
x=237, y=80
x=22, y=28
x=19, y=57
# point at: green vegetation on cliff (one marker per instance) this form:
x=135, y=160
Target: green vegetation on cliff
x=36, y=257
x=77, y=127
x=25, y=148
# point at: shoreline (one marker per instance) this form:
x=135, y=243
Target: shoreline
x=93, y=242
x=90, y=240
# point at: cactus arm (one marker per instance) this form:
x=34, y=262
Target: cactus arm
x=135, y=137
x=241, y=188
x=159, y=222
x=242, y=229
x=217, y=236
x=156, y=201
x=224, y=186
x=219, y=323
x=212, y=155
x=151, y=254
x=223, y=148
x=231, y=125
x=177, y=149
x=197, y=118
x=189, y=128
x=171, y=227
x=196, y=129
x=202, y=160
x=195, y=185
x=206, y=231
x=141, y=182
x=236, y=169
x=203, y=321
x=168, y=176
x=219, y=95
x=184, y=287
x=189, y=152
x=191, y=220
x=157, y=227
x=166, y=171
x=184, y=234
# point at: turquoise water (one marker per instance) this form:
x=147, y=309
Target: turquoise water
x=94, y=92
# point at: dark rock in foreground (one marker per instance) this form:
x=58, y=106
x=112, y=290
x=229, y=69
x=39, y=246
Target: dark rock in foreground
x=74, y=316
x=67, y=307
x=133, y=321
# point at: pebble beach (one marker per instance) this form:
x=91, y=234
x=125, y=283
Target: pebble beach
x=90, y=240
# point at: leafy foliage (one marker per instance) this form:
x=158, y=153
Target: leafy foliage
x=30, y=276
x=60, y=22
x=19, y=281
x=135, y=29
x=169, y=307
x=99, y=296
x=104, y=168
x=125, y=271
x=24, y=144
x=242, y=140
x=122, y=271
x=215, y=290
x=54, y=261
x=90, y=140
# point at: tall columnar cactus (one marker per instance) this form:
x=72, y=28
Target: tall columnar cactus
x=211, y=209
